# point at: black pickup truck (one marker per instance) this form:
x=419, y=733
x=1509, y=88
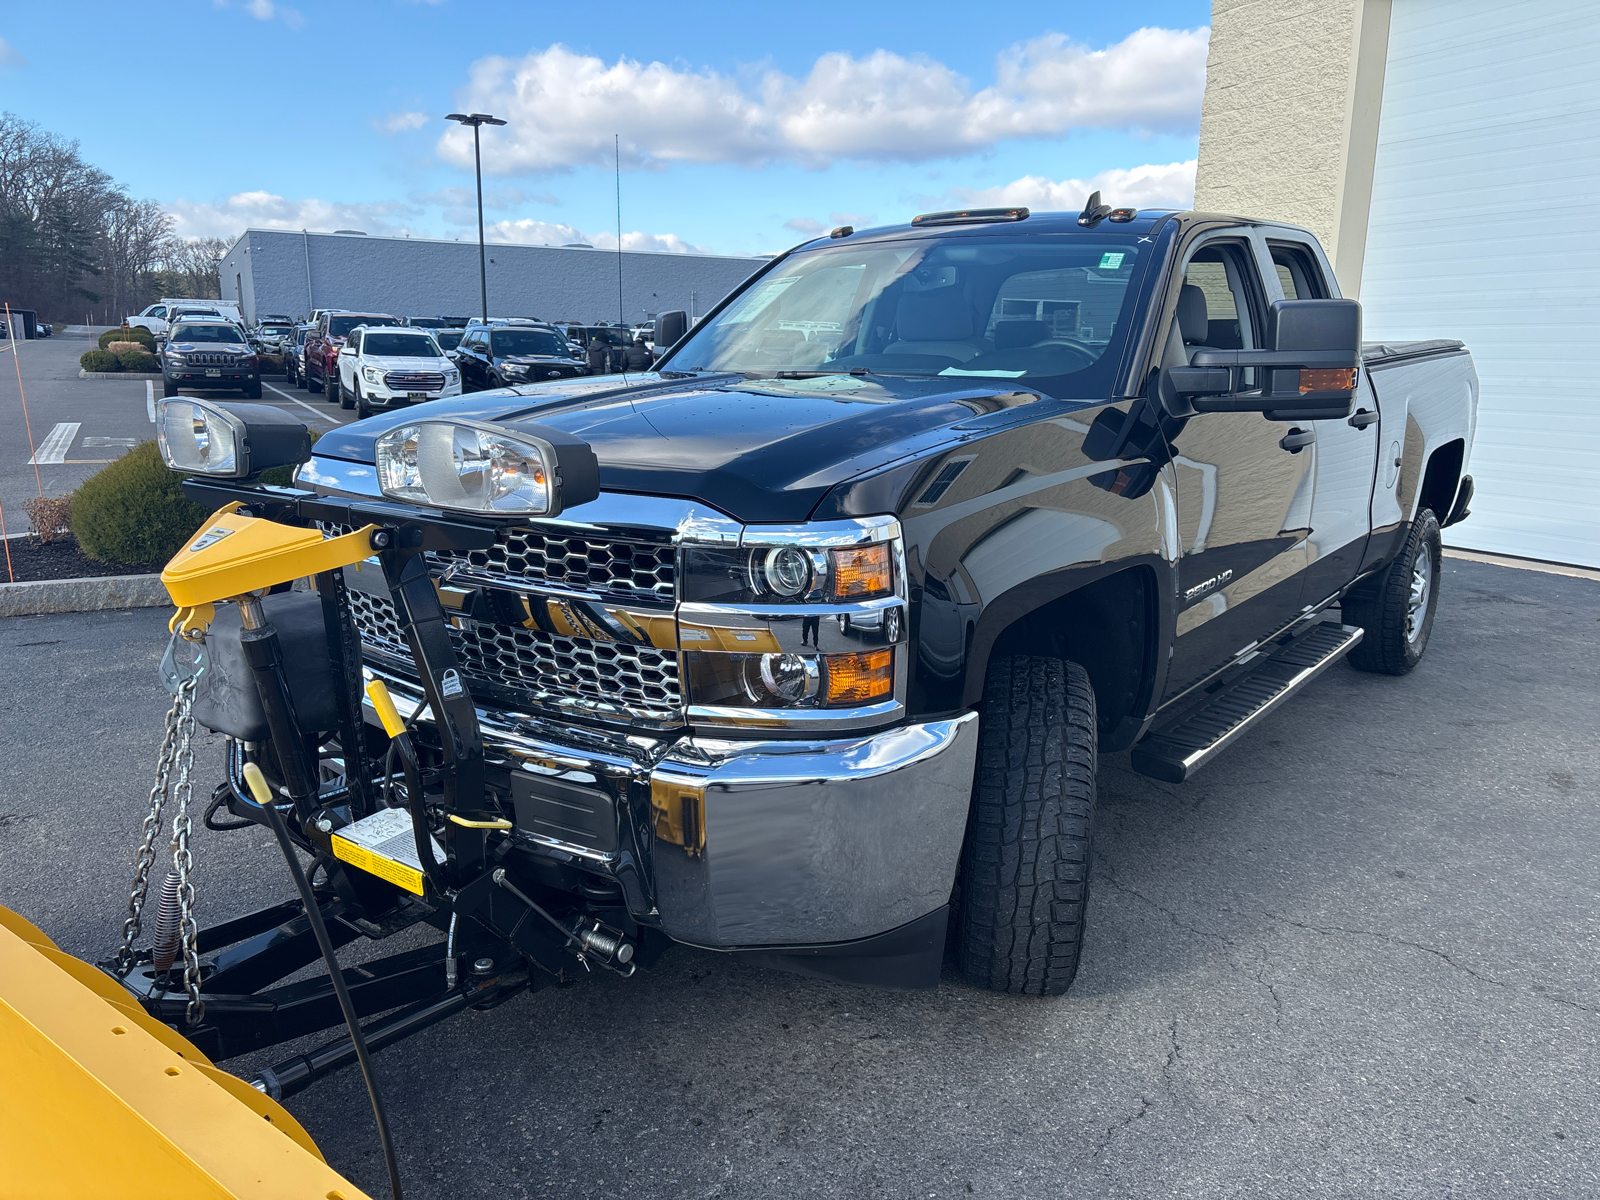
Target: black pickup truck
x=887, y=551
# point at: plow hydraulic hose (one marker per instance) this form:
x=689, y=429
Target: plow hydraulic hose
x=262, y=794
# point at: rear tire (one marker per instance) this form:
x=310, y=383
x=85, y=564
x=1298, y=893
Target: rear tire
x=1030, y=835
x=1395, y=607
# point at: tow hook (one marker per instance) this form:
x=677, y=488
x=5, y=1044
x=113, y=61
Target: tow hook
x=588, y=937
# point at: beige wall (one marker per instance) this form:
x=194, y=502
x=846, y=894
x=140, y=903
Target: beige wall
x=1289, y=125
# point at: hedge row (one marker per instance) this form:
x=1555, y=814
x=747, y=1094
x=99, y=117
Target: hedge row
x=129, y=333
x=120, y=360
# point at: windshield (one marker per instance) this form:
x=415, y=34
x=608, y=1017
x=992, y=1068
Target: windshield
x=399, y=345
x=207, y=333
x=1049, y=311
x=508, y=343
x=341, y=326
x=449, y=339
x=612, y=337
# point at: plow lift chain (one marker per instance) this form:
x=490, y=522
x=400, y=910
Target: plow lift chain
x=177, y=932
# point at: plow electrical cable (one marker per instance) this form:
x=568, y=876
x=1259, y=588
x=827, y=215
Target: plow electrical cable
x=262, y=794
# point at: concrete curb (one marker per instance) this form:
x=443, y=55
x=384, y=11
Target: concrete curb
x=82, y=374
x=98, y=594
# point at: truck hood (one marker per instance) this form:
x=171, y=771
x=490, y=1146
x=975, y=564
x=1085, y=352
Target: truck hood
x=761, y=450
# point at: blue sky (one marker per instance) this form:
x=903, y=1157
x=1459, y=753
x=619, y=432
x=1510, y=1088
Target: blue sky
x=744, y=127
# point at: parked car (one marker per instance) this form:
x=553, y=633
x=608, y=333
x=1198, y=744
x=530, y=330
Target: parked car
x=492, y=356
x=430, y=322
x=616, y=338
x=208, y=353
x=385, y=367
x=294, y=351
x=157, y=318
x=272, y=334
x=323, y=342
x=448, y=339
x=1126, y=481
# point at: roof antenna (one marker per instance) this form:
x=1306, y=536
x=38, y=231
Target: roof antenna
x=1093, y=212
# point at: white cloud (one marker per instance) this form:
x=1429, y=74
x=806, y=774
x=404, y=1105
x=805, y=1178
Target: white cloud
x=1155, y=185
x=266, y=210
x=267, y=10
x=527, y=231
x=563, y=107
x=402, y=122
x=10, y=56
x=804, y=225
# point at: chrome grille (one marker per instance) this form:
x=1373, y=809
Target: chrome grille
x=535, y=661
x=414, y=381
x=210, y=358
x=637, y=570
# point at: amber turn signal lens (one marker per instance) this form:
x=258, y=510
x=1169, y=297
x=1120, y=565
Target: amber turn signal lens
x=1339, y=380
x=860, y=678
x=862, y=572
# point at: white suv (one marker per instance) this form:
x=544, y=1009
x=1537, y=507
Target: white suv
x=389, y=367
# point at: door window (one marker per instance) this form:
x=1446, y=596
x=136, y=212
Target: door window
x=1298, y=272
x=1225, y=275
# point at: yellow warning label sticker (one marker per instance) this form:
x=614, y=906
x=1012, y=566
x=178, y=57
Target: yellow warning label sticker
x=396, y=873
x=383, y=845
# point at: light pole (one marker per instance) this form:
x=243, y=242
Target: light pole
x=475, y=120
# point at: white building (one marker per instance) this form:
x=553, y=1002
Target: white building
x=1448, y=153
x=275, y=271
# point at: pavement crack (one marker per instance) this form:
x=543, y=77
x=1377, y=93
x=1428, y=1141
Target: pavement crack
x=1442, y=955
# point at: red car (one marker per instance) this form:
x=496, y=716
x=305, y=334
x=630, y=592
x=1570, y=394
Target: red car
x=323, y=342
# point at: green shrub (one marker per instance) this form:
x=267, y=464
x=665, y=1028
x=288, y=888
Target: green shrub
x=134, y=511
x=138, y=360
x=99, y=360
x=129, y=333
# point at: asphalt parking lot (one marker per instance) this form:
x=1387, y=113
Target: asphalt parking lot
x=1356, y=957
x=78, y=425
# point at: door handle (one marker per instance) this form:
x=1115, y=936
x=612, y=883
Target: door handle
x=1362, y=419
x=1297, y=440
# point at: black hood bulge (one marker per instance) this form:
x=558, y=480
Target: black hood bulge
x=759, y=450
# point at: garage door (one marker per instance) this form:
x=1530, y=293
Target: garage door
x=1485, y=226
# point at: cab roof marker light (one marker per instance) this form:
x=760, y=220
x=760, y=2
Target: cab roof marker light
x=970, y=216
x=1123, y=215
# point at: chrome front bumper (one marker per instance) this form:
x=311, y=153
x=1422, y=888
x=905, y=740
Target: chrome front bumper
x=759, y=843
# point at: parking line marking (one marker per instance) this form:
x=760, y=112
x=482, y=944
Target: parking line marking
x=56, y=444
x=302, y=404
x=150, y=399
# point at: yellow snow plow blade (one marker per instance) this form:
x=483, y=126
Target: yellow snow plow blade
x=98, y=1098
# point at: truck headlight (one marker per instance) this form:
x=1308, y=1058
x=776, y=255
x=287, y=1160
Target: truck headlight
x=790, y=680
x=479, y=468
x=372, y=374
x=824, y=562
x=230, y=440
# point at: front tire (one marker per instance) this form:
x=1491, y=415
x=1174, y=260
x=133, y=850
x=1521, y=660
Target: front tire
x=363, y=409
x=336, y=392
x=168, y=388
x=252, y=390
x=311, y=384
x=1025, y=865
x=1395, y=607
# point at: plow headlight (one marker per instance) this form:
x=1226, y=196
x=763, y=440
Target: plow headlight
x=230, y=440
x=472, y=467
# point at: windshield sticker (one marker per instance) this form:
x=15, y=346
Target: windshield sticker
x=1110, y=261
x=991, y=374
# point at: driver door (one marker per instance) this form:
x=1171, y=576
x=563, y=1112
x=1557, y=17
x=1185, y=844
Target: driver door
x=1243, y=495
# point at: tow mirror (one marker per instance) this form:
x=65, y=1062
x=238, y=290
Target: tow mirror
x=1309, y=373
x=670, y=328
